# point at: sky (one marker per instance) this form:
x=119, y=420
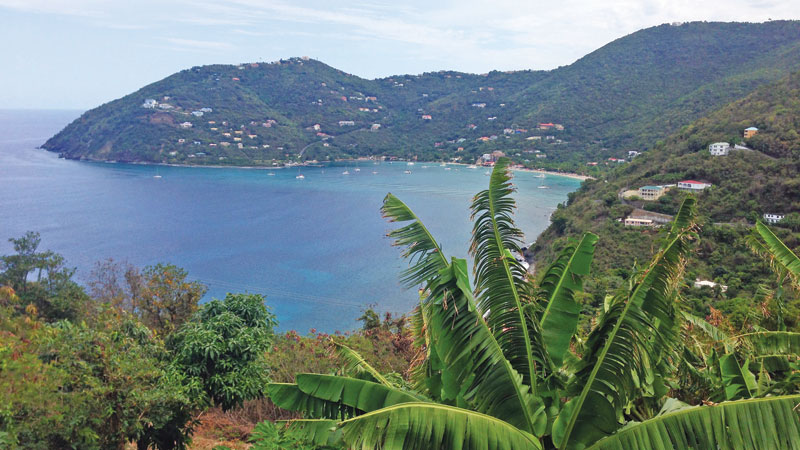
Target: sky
x=78, y=54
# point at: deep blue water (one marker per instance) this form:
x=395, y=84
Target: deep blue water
x=315, y=247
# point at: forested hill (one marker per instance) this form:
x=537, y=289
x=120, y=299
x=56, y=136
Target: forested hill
x=625, y=95
x=746, y=184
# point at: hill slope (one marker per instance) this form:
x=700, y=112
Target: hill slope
x=745, y=185
x=629, y=93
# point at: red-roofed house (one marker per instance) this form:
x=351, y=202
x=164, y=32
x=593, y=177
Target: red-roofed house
x=546, y=126
x=692, y=185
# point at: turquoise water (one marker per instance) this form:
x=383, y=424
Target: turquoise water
x=315, y=247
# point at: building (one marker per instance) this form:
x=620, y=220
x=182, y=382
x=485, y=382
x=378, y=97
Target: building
x=149, y=103
x=479, y=105
x=348, y=123
x=651, y=192
x=773, y=218
x=633, y=154
x=691, y=185
x=186, y=125
x=698, y=283
x=750, y=132
x=546, y=126
x=426, y=117
x=198, y=113
x=719, y=148
x=638, y=222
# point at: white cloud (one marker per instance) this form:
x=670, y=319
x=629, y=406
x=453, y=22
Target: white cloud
x=199, y=45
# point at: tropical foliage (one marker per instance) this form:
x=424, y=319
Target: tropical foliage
x=502, y=365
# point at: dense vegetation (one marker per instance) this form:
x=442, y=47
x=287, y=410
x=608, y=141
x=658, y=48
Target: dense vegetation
x=746, y=185
x=504, y=364
x=624, y=96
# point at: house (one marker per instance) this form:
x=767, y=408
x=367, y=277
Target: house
x=651, y=192
x=497, y=154
x=472, y=126
x=691, y=185
x=173, y=153
x=426, y=117
x=479, y=105
x=591, y=164
x=197, y=113
x=541, y=155
x=546, y=126
x=638, y=222
x=558, y=127
x=186, y=125
x=492, y=118
x=698, y=283
x=750, y=132
x=375, y=127
x=235, y=78
x=633, y=154
x=719, y=148
x=149, y=103
x=348, y=123
x=165, y=106
x=181, y=141
x=508, y=131
x=316, y=127
x=206, y=110
x=773, y=218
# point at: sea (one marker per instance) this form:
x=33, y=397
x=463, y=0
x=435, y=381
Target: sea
x=316, y=248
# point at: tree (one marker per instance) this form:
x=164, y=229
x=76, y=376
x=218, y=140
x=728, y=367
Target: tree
x=503, y=369
x=223, y=347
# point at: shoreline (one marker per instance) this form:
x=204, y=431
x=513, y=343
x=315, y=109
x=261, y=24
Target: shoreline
x=571, y=175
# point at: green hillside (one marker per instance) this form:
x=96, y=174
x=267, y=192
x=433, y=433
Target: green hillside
x=746, y=184
x=626, y=95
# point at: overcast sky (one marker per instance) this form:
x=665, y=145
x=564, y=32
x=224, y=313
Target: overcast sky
x=81, y=53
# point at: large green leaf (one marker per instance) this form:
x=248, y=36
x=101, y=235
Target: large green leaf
x=501, y=281
x=331, y=397
x=737, y=380
x=765, y=344
x=423, y=426
x=355, y=364
x=625, y=342
x=321, y=432
x=764, y=242
x=755, y=424
x=472, y=356
x=420, y=247
x=560, y=283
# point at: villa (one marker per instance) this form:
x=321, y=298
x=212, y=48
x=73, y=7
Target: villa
x=691, y=185
x=651, y=192
x=773, y=218
x=750, y=132
x=719, y=148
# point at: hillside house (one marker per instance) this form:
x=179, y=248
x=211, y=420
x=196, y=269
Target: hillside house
x=185, y=125
x=165, y=106
x=691, y=185
x=633, y=154
x=750, y=132
x=150, y=103
x=508, y=131
x=651, y=193
x=346, y=123
x=719, y=149
x=492, y=118
x=698, y=283
x=206, y=110
x=773, y=218
x=546, y=126
x=497, y=154
x=426, y=117
x=198, y=113
x=541, y=155
x=479, y=105
x=558, y=127
x=638, y=222
x=472, y=126
x=375, y=127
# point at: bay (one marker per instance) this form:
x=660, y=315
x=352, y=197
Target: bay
x=315, y=247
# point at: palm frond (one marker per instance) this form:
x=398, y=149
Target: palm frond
x=755, y=424
x=475, y=366
x=423, y=426
x=501, y=281
x=419, y=245
x=623, y=341
x=355, y=364
x=560, y=283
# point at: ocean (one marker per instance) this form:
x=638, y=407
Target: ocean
x=315, y=247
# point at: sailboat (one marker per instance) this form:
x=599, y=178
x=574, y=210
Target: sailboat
x=157, y=174
x=301, y=177
x=541, y=183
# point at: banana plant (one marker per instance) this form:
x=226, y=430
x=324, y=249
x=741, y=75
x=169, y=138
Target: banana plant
x=498, y=366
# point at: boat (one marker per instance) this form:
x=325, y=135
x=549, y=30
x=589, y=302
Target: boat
x=447, y=168
x=410, y=164
x=157, y=175
x=346, y=172
x=407, y=171
x=374, y=172
x=488, y=172
x=544, y=187
x=358, y=170
x=271, y=174
x=472, y=166
x=443, y=165
x=301, y=177
x=541, y=175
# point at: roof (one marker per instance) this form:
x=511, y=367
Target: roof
x=692, y=182
x=751, y=129
x=651, y=187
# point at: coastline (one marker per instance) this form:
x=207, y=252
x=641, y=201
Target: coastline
x=574, y=176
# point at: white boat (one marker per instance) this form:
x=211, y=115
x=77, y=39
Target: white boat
x=374, y=172
x=541, y=175
x=156, y=176
x=447, y=168
x=410, y=164
x=443, y=165
x=488, y=172
x=358, y=170
x=301, y=177
x=472, y=166
x=407, y=171
x=346, y=172
x=544, y=187
x=271, y=174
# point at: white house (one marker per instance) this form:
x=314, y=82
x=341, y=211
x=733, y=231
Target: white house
x=633, y=154
x=691, y=185
x=638, y=222
x=773, y=218
x=698, y=283
x=375, y=127
x=149, y=103
x=206, y=110
x=346, y=123
x=186, y=125
x=198, y=113
x=719, y=148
